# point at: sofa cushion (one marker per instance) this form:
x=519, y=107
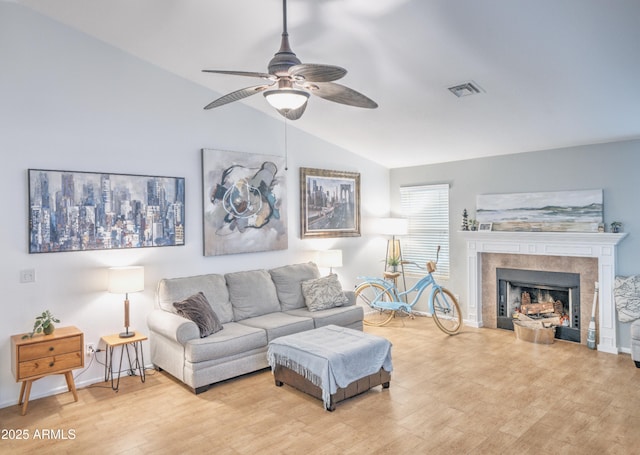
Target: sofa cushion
x=323, y=293
x=279, y=324
x=214, y=288
x=345, y=316
x=252, y=293
x=288, y=279
x=197, y=309
x=233, y=340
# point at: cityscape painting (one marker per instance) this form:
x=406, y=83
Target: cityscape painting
x=330, y=203
x=81, y=211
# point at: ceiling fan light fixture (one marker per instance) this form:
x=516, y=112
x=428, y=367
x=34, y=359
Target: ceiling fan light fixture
x=286, y=99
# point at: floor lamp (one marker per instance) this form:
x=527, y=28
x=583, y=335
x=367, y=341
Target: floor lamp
x=394, y=227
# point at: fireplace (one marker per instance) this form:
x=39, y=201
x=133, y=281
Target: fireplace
x=575, y=252
x=551, y=297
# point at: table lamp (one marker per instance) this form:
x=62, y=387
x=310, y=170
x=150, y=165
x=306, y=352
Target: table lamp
x=330, y=258
x=123, y=280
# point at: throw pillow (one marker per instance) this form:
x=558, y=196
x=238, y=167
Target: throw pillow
x=197, y=309
x=287, y=280
x=323, y=293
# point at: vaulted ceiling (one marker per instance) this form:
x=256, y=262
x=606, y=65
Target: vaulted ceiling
x=552, y=73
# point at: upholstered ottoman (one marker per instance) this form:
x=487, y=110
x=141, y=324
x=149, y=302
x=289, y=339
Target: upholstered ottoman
x=331, y=363
x=635, y=342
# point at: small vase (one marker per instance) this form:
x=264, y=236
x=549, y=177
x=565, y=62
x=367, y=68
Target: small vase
x=48, y=330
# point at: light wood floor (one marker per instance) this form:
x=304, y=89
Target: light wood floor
x=480, y=392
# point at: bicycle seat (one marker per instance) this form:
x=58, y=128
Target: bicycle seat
x=431, y=266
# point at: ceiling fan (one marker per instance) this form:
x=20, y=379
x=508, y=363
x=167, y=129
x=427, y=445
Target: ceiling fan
x=291, y=82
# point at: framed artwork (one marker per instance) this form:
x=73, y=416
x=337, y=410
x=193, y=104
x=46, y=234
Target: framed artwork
x=329, y=203
x=244, y=197
x=80, y=211
x=547, y=211
x=484, y=226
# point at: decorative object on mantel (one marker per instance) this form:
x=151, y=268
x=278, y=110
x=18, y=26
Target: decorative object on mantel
x=553, y=211
x=473, y=224
x=465, y=220
x=616, y=227
x=43, y=324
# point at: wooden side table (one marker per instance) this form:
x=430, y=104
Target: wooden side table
x=135, y=342
x=44, y=355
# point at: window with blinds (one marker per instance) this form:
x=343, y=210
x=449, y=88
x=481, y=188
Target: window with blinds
x=427, y=209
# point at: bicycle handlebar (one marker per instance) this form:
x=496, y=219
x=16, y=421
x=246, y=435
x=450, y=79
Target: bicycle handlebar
x=433, y=267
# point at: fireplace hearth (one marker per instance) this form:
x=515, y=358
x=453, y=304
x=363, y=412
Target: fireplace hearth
x=551, y=297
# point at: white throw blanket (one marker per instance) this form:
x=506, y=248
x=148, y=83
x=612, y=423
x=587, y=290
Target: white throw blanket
x=627, y=294
x=331, y=356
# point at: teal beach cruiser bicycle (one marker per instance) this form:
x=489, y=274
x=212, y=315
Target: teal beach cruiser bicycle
x=382, y=299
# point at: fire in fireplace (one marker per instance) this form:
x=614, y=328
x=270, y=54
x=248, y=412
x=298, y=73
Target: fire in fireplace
x=553, y=297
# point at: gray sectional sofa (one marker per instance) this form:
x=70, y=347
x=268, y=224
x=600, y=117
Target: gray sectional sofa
x=253, y=308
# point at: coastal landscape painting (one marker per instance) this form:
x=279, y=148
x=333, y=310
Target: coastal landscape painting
x=547, y=211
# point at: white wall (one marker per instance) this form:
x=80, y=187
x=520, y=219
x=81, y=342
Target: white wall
x=612, y=167
x=69, y=102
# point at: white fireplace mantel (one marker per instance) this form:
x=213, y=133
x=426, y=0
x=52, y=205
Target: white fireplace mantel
x=577, y=244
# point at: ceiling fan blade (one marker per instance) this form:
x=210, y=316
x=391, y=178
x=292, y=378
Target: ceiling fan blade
x=237, y=95
x=314, y=72
x=340, y=94
x=243, y=73
x=293, y=114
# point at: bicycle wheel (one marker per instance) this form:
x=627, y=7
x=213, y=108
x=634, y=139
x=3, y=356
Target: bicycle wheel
x=366, y=296
x=446, y=312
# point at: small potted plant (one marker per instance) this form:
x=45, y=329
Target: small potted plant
x=393, y=262
x=43, y=324
x=616, y=226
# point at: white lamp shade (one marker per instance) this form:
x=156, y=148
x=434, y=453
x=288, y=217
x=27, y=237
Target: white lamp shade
x=330, y=258
x=393, y=226
x=286, y=99
x=123, y=280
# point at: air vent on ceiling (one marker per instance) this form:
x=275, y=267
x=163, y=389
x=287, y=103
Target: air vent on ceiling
x=466, y=89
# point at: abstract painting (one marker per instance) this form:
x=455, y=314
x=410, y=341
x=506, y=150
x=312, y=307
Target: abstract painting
x=79, y=211
x=551, y=211
x=244, y=197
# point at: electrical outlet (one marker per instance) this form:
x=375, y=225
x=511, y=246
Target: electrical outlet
x=28, y=275
x=90, y=348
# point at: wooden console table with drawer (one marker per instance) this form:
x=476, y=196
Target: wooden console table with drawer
x=44, y=355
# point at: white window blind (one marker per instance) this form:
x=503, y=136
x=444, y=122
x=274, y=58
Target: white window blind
x=427, y=209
